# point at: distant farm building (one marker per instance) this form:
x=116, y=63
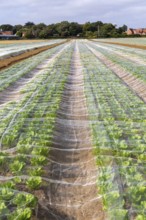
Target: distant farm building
x=6, y=32
x=7, y=35
x=138, y=31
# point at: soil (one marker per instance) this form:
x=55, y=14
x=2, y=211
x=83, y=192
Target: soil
x=72, y=193
x=13, y=58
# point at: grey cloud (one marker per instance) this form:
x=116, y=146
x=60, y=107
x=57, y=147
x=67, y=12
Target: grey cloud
x=130, y=12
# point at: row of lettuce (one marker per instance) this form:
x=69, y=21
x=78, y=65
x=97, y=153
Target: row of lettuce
x=118, y=123
x=20, y=46
x=133, y=41
x=19, y=70
x=26, y=132
x=131, y=60
x=117, y=120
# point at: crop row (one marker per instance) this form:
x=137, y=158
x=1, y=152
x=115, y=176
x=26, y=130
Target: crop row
x=118, y=125
x=22, y=69
x=125, y=51
x=26, y=133
x=7, y=49
x=133, y=41
x=135, y=68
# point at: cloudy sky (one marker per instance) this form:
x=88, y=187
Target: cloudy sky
x=129, y=12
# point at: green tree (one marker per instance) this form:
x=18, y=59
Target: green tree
x=107, y=30
x=43, y=34
x=29, y=24
x=29, y=34
x=122, y=29
x=6, y=27
x=74, y=29
x=41, y=26
x=63, y=29
x=17, y=28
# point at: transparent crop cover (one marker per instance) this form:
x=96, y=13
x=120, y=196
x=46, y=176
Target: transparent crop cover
x=72, y=136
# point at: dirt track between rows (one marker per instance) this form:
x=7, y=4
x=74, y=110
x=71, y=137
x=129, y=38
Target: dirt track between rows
x=73, y=193
x=6, y=62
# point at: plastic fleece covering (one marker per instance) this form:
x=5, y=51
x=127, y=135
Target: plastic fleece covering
x=119, y=136
x=72, y=139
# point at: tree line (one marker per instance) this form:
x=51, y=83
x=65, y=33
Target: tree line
x=66, y=29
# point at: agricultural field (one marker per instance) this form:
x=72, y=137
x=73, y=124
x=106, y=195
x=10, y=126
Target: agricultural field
x=73, y=134
x=2, y=42
x=15, y=47
x=133, y=41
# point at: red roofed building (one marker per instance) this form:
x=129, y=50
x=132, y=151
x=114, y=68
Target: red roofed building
x=6, y=32
x=139, y=31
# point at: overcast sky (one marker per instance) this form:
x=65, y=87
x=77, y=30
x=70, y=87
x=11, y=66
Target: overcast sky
x=129, y=12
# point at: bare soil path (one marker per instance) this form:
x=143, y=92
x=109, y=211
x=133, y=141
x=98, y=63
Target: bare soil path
x=72, y=193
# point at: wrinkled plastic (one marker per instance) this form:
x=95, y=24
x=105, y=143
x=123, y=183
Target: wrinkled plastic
x=113, y=122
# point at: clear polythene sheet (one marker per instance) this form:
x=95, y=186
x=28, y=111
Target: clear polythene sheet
x=23, y=71
x=118, y=122
x=26, y=130
x=86, y=108
x=122, y=167
x=7, y=50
